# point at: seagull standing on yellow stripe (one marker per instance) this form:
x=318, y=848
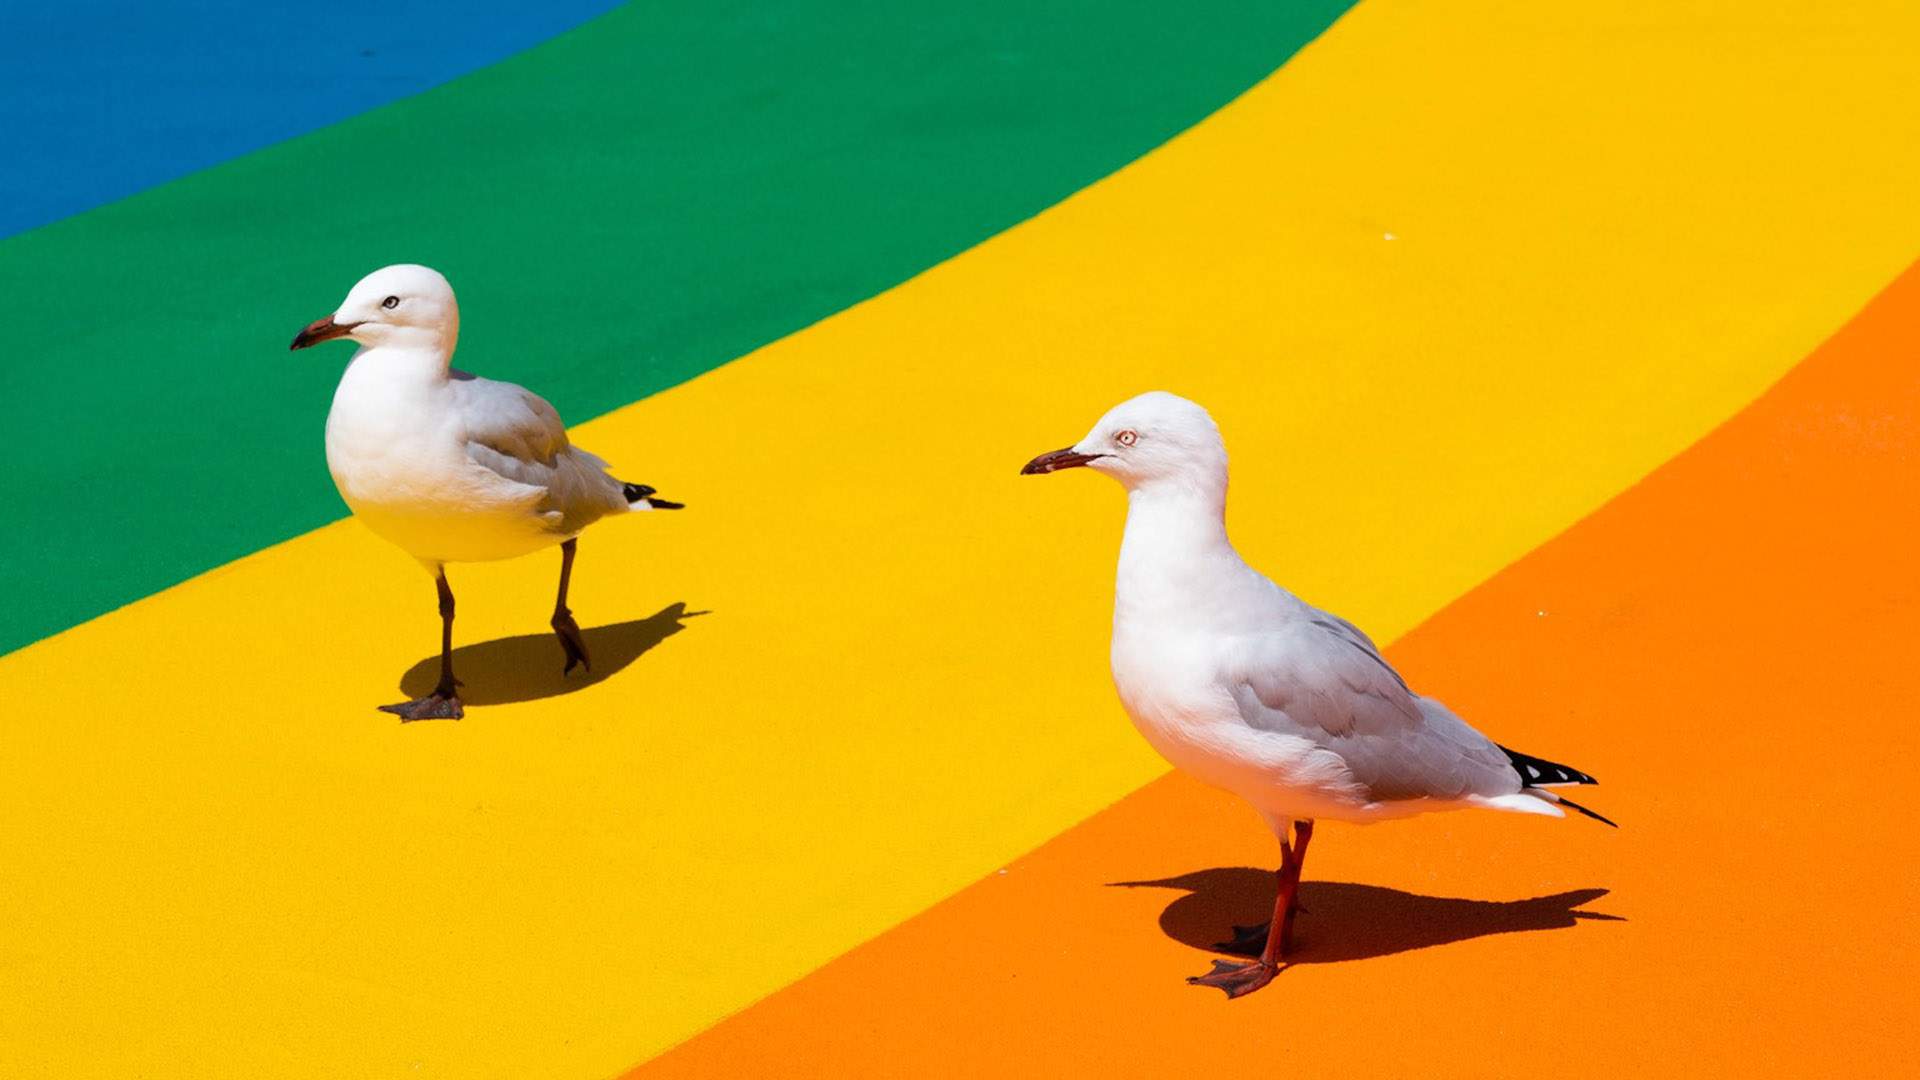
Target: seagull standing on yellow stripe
x=449, y=466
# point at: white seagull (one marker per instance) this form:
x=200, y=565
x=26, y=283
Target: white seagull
x=1251, y=689
x=450, y=466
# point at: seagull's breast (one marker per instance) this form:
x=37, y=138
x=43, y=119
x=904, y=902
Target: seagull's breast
x=1168, y=686
x=1174, y=691
x=396, y=448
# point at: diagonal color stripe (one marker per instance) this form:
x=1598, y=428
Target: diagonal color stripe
x=221, y=860
x=621, y=208
x=103, y=98
x=1726, y=645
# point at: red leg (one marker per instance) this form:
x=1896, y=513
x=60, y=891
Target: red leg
x=1289, y=898
x=1252, y=940
x=1245, y=978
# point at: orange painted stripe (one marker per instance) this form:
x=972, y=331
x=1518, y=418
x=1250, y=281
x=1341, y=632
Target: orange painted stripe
x=1727, y=646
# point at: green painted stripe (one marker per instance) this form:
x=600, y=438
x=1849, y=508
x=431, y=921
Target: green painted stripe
x=621, y=209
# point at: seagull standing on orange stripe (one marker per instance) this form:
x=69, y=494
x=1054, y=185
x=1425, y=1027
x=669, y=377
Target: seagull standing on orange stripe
x=1240, y=683
x=449, y=466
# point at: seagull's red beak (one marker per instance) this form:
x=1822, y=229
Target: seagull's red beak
x=1057, y=460
x=320, y=330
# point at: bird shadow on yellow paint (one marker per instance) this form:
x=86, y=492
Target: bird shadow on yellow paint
x=1343, y=920
x=527, y=667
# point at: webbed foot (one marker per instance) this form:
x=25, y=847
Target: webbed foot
x=1237, y=979
x=435, y=706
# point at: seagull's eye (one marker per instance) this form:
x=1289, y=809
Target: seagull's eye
x=390, y=303
x=1127, y=438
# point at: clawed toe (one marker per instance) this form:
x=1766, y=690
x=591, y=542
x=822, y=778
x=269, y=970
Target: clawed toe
x=432, y=707
x=1236, y=979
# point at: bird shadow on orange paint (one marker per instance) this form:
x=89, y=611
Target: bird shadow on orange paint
x=527, y=667
x=1342, y=920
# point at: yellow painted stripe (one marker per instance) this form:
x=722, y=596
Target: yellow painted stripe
x=220, y=861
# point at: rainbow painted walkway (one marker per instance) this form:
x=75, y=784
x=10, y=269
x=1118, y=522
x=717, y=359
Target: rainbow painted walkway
x=1577, y=348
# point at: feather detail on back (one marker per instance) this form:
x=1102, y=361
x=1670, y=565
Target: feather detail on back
x=516, y=434
x=1322, y=681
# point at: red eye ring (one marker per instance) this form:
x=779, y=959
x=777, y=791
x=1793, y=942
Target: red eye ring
x=1126, y=438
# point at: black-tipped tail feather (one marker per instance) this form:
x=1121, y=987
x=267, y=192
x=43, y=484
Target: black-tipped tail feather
x=638, y=493
x=1540, y=773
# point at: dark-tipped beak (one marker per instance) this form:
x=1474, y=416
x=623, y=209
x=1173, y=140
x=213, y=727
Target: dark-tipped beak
x=320, y=330
x=1057, y=460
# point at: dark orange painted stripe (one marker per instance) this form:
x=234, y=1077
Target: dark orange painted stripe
x=1728, y=646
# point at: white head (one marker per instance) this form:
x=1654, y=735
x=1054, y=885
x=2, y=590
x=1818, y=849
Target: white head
x=1157, y=440
x=406, y=305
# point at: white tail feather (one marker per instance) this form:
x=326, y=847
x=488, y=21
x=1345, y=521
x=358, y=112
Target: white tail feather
x=1530, y=801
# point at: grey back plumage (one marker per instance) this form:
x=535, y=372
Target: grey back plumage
x=1320, y=679
x=518, y=435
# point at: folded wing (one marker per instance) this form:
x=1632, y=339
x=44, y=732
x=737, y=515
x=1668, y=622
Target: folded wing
x=517, y=435
x=1322, y=680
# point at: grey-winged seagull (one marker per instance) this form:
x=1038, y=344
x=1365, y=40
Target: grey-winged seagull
x=1240, y=683
x=450, y=466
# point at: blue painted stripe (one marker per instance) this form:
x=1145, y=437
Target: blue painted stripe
x=104, y=98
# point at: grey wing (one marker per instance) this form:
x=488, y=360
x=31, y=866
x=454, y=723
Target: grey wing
x=517, y=434
x=1328, y=620
x=509, y=428
x=1309, y=678
x=1322, y=680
